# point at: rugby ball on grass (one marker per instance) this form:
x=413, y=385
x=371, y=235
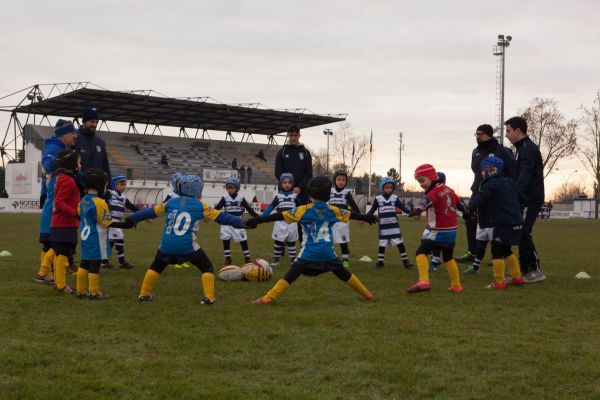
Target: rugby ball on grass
x=258, y=271
x=230, y=273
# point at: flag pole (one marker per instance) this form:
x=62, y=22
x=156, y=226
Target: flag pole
x=370, y=162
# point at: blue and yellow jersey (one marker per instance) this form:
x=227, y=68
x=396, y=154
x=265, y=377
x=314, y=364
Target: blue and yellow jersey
x=183, y=218
x=316, y=220
x=95, y=219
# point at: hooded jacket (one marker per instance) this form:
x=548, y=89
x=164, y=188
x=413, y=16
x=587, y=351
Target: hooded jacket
x=52, y=146
x=92, y=150
x=497, y=202
x=530, y=171
x=485, y=149
x=297, y=161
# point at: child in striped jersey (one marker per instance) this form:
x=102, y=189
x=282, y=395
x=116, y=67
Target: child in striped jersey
x=283, y=232
x=118, y=203
x=342, y=199
x=389, y=228
x=233, y=203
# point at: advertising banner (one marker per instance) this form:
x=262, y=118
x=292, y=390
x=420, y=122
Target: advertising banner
x=21, y=176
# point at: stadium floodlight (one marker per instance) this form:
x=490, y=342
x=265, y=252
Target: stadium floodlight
x=328, y=132
x=500, y=50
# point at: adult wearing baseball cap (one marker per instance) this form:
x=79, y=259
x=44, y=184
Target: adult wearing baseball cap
x=487, y=146
x=90, y=146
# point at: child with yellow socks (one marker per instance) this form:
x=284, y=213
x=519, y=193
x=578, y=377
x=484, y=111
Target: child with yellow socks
x=497, y=205
x=440, y=203
x=95, y=219
x=317, y=255
x=178, y=243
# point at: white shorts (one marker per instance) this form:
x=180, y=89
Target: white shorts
x=390, y=242
x=284, y=232
x=115, y=234
x=229, y=233
x=341, y=232
x=484, y=234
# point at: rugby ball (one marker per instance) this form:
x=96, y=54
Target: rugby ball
x=258, y=271
x=230, y=273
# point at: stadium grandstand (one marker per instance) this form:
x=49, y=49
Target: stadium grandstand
x=150, y=127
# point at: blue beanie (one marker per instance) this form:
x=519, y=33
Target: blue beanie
x=90, y=113
x=491, y=166
x=63, y=127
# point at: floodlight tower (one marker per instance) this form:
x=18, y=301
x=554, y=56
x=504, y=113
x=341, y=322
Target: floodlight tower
x=328, y=132
x=500, y=50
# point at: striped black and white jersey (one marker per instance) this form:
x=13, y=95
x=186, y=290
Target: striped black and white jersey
x=389, y=228
x=233, y=205
x=342, y=199
x=118, y=203
x=283, y=201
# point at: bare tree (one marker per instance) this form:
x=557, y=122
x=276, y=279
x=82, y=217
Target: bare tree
x=567, y=193
x=590, y=148
x=319, y=162
x=348, y=148
x=548, y=128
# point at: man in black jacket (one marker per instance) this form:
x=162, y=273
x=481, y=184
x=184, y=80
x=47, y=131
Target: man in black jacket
x=295, y=159
x=91, y=147
x=487, y=146
x=530, y=182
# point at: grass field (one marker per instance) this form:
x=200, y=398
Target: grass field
x=319, y=341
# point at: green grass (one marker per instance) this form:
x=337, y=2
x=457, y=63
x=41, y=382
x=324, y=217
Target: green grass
x=319, y=341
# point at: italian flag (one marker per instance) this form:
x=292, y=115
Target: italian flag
x=371, y=143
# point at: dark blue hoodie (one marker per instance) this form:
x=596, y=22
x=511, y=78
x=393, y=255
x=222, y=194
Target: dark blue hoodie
x=92, y=150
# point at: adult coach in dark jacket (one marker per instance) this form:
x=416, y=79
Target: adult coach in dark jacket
x=487, y=146
x=91, y=148
x=295, y=159
x=530, y=182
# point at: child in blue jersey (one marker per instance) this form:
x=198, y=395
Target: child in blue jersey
x=342, y=199
x=283, y=232
x=233, y=203
x=95, y=220
x=178, y=243
x=317, y=255
x=389, y=228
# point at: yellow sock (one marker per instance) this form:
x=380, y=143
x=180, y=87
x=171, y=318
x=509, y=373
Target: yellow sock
x=94, y=283
x=513, y=266
x=82, y=277
x=452, y=269
x=148, y=284
x=42, y=260
x=423, y=267
x=357, y=285
x=276, y=290
x=46, y=264
x=498, y=264
x=208, y=285
x=60, y=271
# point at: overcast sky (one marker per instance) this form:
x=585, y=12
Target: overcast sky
x=424, y=68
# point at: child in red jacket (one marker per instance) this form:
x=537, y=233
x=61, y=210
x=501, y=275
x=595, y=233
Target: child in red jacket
x=65, y=220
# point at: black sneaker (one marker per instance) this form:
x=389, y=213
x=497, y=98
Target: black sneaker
x=207, y=302
x=106, y=265
x=379, y=264
x=125, y=265
x=407, y=264
x=98, y=296
x=465, y=258
x=146, y=299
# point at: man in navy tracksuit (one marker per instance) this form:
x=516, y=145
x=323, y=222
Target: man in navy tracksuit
x=295, y=159
x=91, y=147
x=487, y=146
x=529, y=180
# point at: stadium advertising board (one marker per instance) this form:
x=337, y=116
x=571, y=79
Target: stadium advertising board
x=21, y=179
x=218, y=175
x=19, y=205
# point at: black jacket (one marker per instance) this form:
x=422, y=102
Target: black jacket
x=484, y=150
x=530, y=171
x=92, y=150
x=497, y=203
x=297, y=161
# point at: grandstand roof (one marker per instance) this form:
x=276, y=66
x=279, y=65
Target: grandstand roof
x=194, y=113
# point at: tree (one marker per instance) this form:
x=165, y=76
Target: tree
x=590, y=148
x=319, y=162
x=548, y=128
x=348, y=148
x=392, y=173
x=566, y=194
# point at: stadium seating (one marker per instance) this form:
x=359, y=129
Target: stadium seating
x=138, y=156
